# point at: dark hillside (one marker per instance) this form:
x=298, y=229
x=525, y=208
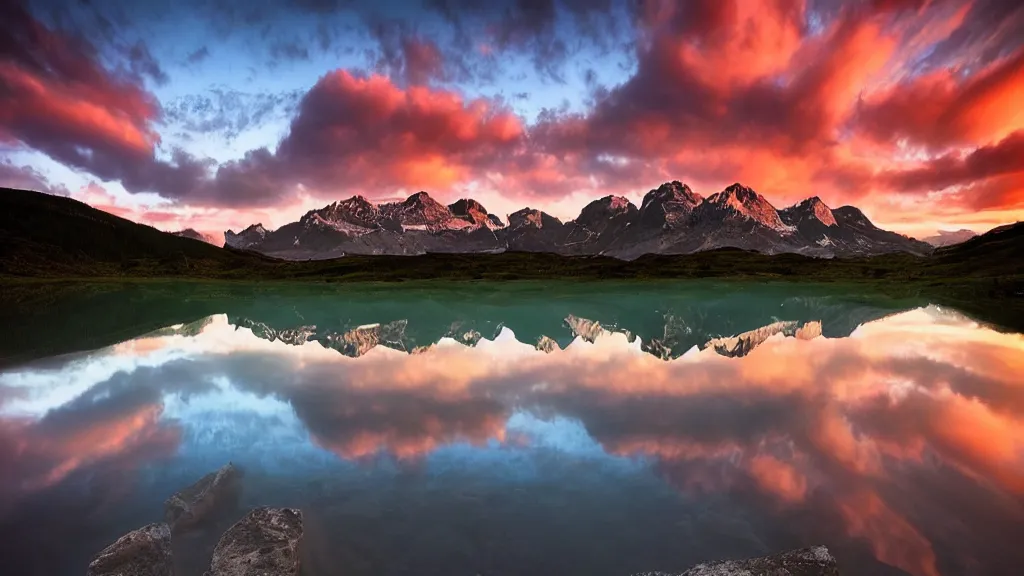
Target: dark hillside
x=44, y=235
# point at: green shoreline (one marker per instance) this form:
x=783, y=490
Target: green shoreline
x=46, y=242
x=995, y=301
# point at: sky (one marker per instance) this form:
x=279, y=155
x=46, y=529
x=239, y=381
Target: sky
x=217, y=115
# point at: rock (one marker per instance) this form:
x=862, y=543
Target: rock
x=265, y=542
x=142, y=552
x=813, y=561
x=212, y=493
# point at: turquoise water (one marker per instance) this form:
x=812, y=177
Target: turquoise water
x=421, y=430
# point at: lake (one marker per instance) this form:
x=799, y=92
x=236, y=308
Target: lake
x=518, y=428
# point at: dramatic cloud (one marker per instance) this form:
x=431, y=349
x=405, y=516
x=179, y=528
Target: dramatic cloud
x=887, y=439
x=989, y=176
x=372, y=132
x=940, y=109
x=910, y=109
x=57, y=98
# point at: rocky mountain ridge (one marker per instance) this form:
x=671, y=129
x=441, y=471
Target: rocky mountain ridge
x=671, y=219
x=195, y=235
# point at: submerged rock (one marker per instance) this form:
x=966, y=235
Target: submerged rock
x=813, y=561
x=266, y=541
x=142, y=552
x=212, y=493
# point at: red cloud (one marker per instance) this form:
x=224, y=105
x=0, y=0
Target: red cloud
x=57, y=98
x=423, y=60
x=373, y=134
x=989, y=176
x=945, y=108
x=893, y=539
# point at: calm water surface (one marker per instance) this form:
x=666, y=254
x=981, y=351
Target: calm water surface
x=422, y=431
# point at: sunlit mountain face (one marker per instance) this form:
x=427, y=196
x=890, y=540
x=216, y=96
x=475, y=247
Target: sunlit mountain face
x=570, y=431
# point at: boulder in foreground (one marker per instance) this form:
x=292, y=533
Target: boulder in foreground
x=213, y=492
x=266, y=541
x=142, y=552
x=813, y=561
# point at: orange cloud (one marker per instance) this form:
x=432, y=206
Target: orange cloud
x=892, y=538
x=943, y=109
x=374, y=134
x=778, y=477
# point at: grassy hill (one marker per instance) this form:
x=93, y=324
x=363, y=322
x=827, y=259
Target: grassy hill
x=53, y=236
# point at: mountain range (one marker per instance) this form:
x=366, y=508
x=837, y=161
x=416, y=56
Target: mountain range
x=672, y=219
x=950, y=237
x=195, y=235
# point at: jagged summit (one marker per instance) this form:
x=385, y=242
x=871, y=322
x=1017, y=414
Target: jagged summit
x=671, y=219
x=474, y=212
x=600, y=213
x=668, y=205
x=851, y=215
x=251, y=237
x=674, y=191
x=258, y=227
x=811, y=208
x=741, y=202
x=529, y=217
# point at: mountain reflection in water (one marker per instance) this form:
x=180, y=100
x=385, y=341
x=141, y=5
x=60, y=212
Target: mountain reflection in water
x=898, y=442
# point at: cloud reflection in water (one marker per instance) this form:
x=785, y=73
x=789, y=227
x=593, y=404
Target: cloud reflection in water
x=906, y=436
